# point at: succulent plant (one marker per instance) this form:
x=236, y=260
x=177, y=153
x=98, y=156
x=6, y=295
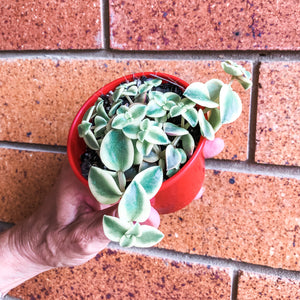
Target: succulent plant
x=143, y=136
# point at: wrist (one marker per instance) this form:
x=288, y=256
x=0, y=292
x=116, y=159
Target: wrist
x=18, y=258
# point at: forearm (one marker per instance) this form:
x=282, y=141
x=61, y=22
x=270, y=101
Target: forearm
x=17, y=263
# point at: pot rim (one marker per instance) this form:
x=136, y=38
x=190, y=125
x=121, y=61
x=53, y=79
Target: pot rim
x=92, y=99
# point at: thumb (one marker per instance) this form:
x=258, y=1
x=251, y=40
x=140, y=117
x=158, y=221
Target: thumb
x=91, y=229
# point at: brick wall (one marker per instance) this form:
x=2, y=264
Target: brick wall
x=241, y=239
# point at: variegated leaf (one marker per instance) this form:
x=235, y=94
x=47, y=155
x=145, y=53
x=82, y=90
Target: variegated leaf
x=117, y=152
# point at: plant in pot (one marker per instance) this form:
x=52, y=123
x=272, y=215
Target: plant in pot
x=138, y=144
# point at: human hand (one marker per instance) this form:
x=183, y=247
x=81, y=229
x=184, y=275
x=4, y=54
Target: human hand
x=65, y=231
x=71, y=219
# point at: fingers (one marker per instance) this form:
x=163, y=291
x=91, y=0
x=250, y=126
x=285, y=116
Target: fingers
x=154, y=218
x=213, y=148
x=199, y=195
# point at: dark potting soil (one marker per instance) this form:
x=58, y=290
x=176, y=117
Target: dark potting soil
x=90, y=157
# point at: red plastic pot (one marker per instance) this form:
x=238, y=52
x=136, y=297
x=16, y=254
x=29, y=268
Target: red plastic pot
x=177, y=191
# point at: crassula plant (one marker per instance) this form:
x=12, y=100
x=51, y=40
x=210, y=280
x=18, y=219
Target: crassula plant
x=142, y=133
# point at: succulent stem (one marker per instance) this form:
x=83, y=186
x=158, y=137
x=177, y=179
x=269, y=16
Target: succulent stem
x=122, y=182
x=176, y=140
x=156, y=149
x=182, y=122
x=129, y=99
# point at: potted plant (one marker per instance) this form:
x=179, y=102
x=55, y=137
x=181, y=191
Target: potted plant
x=138, y=143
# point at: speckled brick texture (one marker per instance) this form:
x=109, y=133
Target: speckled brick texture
x=205, y=25
x=53, y=24
x=51, y=92
x=25, y=178
x=250, y=218
x=278, y=122
x=255, y=286
x=119, y=275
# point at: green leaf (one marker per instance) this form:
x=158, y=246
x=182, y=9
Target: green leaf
x=156, y=135
x=114, y=228
x=128, y=84
x=149, y=237
x=144, y=88
x=169, y=105
x=214, y=86
x=161, y=119
x=103, y=186
x=173, y=157
x=122, y=110
x=127, y=241
x=215, y=119
x=91, y=140
x=174, y=97
x=154, y=110
x=151, y=158
x=162, y=163
x=131, y=131
x=138, y=111
x=138, y=157
x=83, y=128
x=191, y=116
x=114, y=108
x=117, y=93
x=135, y=204
x=188, y=144
x=88, y=114
x=206, y=129
x=119, y=121
x=134, y=230
x=177, y=111
x=187, y=103
x=132, y=91
x=155, y=82
x=183, y=155
x=246, y=83
x=174, y=130
x=231, y=68
x=101, y=111
x=145, y=165
x=198, y=93
x=100, y=125
x=141, y=136
x=151, y=180
x=172, y=172
x=116, y=151
x=230, y=105
x=144, y=147
x=99, y=121
x=145, y=124
x=140, y=98
x=158, y=97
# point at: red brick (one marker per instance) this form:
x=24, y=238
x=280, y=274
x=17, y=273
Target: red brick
x=255, y=286
x=119, y=275
x=278, y=123
x=53, y=24
x=250, y=218
x=51, y=92
x=26, y=177
x=205, y=25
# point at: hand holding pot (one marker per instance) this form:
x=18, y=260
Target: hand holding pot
x=65, y=231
